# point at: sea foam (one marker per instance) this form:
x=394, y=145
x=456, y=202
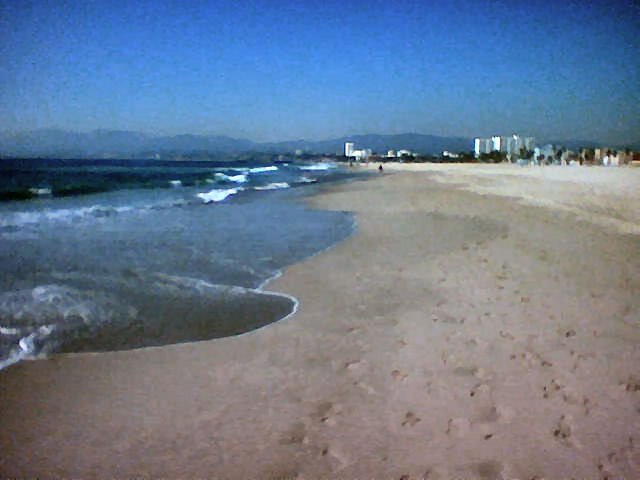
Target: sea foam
x=241, y=178
x=217, y=195
x=271, y=168
x=273, y=186
x=40, y=191
x=317, y=166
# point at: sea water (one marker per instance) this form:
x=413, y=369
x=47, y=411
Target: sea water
x=108, y=255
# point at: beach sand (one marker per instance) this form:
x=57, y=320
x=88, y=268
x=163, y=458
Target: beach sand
x=483, y=322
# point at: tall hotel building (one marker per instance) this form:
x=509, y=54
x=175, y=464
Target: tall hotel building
x=511, y=145
x=348, y=149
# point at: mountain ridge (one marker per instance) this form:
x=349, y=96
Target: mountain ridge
x=106, y=143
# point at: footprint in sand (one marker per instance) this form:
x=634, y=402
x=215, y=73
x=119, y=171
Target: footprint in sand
x=399, y=375
x=410, y=419
x=632, y=384
x=283, y=476
x=366, y=387
x=472, y=371
x=625, y=458
x=569, y=396
x=486, y=470
x=580, y=358
x=507, y=335
x=488, y=415
x=458, y=427
x=489, y=470
x=549, y=390
x=336, y=455
x=327, y=412
x=562, y=430
x=352, y=365
x=353, y=330
x=480, y=389
x=295, y=435
x=530, y=358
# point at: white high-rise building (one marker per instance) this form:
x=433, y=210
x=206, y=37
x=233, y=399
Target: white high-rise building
x=482, y=145
x=529, y=143
x=513, y=144
x=477, y=146
x=348, y=149
x=510, y=145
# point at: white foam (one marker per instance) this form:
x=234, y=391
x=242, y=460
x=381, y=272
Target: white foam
x=273, y=186
x=234, y=169
x=307, y=180
x=40, y=191
x=15, y=356
x=271, y=168
x=241, y=178
x=317, y=166
x=63, y=215
x=175, y=183
x=9, y=331
x=217, y=195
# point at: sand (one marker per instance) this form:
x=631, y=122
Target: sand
x=483, y=322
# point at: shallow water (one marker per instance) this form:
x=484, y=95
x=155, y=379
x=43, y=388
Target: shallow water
x=132, y=267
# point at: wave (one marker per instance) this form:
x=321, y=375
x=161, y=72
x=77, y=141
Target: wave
x=271, y=168
x=307, y=180
x=273, y=186
x=232, y=169
x=217, y=195
x=26, y=194
x=241, y=178
x=175, y=183
x=317, y=166
x=115, y=313
x=36, y=320
x=40, y=191
x=72, y=215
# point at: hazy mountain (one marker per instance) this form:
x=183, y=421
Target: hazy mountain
x=379, y=143
x=635, y=146
x=114, y=143
x=52, y=142
x=123, y=144
x=194, y=143
x=571, y=144
x=578, y=144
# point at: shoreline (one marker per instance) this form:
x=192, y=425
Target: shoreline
x=454, y=334
x=53, y=339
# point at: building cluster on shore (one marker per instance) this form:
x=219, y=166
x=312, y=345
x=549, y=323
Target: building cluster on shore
x=512, y=145
x=524, y=150
x=366, y=154
x=512, y=148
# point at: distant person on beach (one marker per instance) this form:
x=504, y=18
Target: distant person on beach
x=380, y=168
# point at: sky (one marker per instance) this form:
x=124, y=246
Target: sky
x=276, y=70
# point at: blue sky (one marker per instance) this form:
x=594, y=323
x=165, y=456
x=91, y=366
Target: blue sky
x=274, y=70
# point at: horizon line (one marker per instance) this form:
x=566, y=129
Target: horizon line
x=345, y=136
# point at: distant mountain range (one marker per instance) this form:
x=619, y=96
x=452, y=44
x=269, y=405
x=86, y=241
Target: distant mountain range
x=114, y=144
x=127, y=144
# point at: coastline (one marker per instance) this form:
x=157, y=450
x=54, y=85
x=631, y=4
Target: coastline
x=456, y=333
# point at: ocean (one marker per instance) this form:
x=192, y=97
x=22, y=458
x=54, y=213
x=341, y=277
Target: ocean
x=100, y=255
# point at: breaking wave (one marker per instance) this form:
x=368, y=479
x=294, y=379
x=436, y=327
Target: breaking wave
x=217, y=195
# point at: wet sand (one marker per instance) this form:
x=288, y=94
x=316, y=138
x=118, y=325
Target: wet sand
x=482, y=323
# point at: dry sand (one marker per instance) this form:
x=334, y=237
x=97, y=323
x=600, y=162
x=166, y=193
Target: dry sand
x=484, y=322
